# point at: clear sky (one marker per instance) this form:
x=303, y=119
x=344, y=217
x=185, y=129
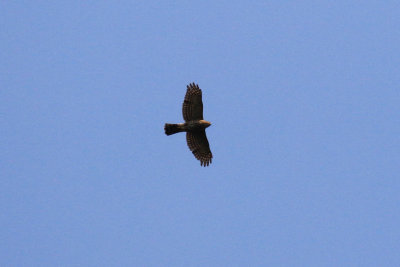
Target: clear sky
x=305, y=104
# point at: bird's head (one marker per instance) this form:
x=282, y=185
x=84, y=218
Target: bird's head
x=205, y=123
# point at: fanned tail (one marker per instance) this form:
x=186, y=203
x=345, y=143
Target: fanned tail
x=172, y=128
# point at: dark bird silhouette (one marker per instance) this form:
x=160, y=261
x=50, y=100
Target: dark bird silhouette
x=194, y=125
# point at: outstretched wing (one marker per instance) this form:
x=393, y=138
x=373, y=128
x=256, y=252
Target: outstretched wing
x=192, y=108
x=198, y=144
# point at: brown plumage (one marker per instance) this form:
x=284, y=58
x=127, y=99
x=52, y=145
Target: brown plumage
x=194, y=126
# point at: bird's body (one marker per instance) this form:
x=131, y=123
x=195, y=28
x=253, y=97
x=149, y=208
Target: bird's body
x=194, y=125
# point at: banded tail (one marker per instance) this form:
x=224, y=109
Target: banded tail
x=172, y=128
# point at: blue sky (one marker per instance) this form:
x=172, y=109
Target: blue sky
x=305, y=104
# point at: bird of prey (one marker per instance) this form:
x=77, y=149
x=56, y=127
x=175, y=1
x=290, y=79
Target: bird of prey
x=194, y=125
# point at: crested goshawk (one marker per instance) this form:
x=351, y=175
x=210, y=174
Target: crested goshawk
x=194, y=125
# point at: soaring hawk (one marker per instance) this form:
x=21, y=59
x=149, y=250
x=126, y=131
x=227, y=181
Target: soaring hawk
x=194, y=126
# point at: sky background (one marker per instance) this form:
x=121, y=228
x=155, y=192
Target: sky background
x=305, y=104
